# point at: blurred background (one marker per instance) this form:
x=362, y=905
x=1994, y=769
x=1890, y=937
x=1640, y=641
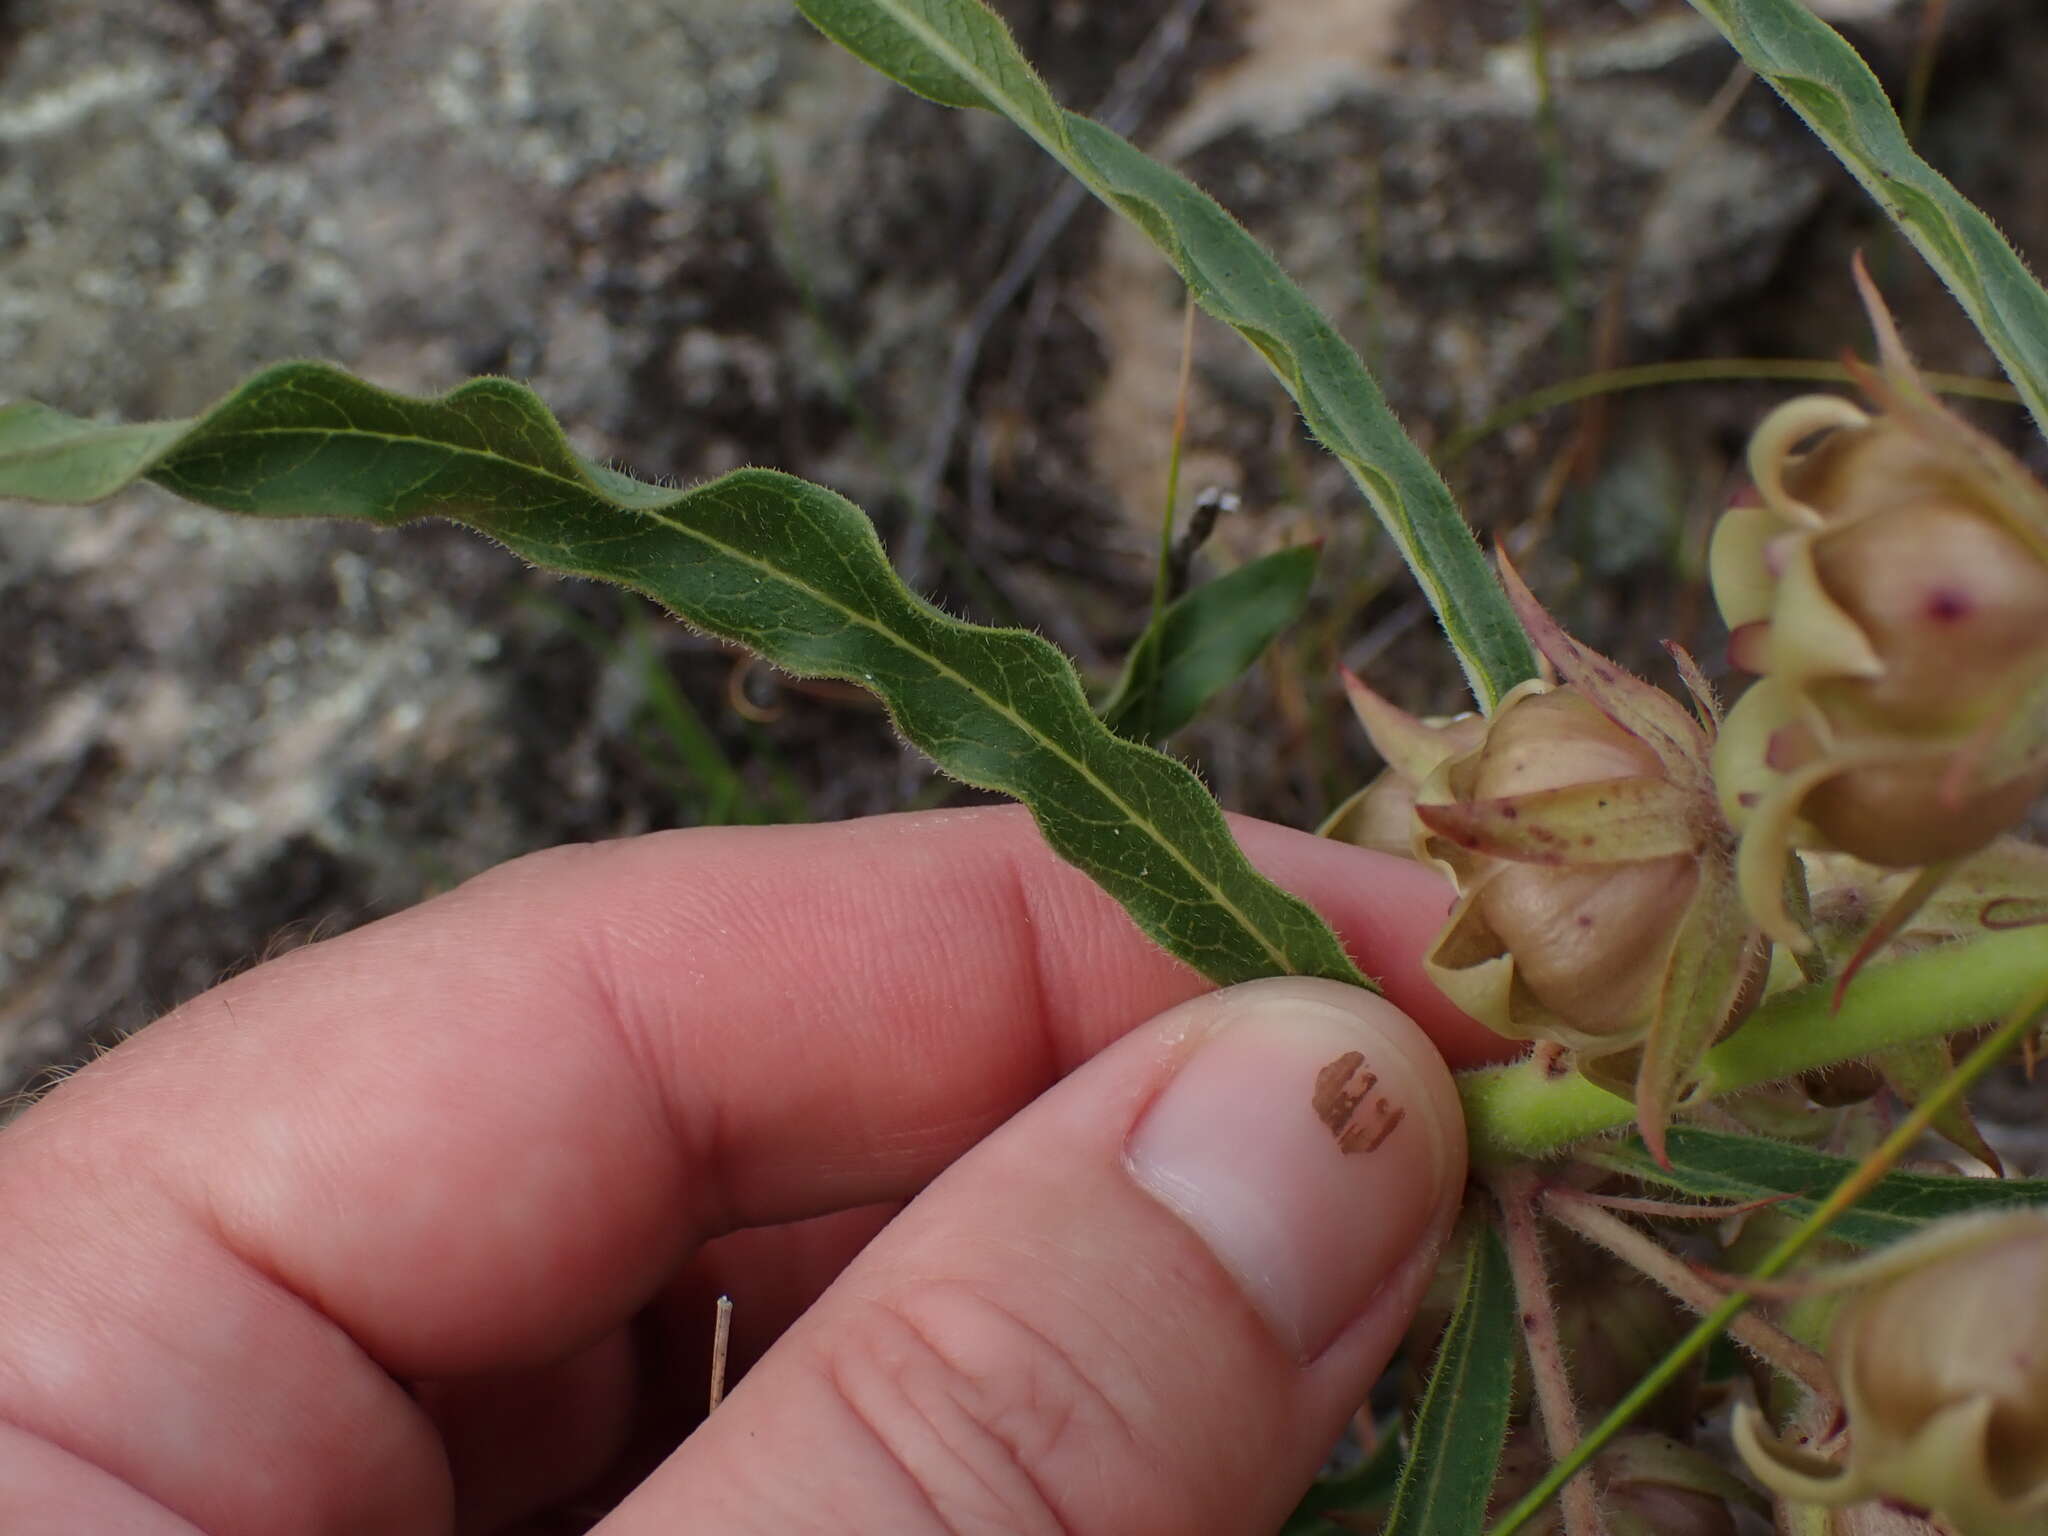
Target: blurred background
x=708, y=239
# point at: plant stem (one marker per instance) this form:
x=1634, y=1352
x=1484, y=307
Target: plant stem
x=1556, y=1405
x=1650, y=1258
x=1560, y=225
x=1162, y=580
x=1517, y=1111
x=2021, y=1018
x=1921, y=76
x=1162, y=576
x=721, y=1341
x=1698, y=370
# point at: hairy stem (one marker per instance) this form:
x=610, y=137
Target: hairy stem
x=1162, y=578
x=1518, y=1111
x=1650, y=1258
x=1556, y=1404
x=2022, y=1017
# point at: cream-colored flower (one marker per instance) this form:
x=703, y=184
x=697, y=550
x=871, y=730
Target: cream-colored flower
x=1596, y=900
x=1381, y=816
x=1889, y=583
x=1943, y=1361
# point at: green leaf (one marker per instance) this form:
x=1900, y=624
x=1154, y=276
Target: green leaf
x=1712, y=1165
x=960, y=53
x=1455, y=1448
x=785, y=568
x=55, y=457
x=1822, y=79
x=1205, y=640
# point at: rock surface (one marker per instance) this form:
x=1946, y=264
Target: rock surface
x=706, y=239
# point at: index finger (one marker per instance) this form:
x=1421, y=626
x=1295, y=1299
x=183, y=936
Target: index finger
x=480, y=1133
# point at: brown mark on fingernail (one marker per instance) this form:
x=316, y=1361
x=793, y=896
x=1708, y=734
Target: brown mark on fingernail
x=1337, y=1100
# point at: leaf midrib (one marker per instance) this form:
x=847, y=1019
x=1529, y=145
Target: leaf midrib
x=1466, y=1323
x=1439, y=1464
x=935, y=41
x=660, y=515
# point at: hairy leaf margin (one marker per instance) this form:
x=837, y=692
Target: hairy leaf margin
x=1205, y=640
x=786, y=568
x=959, y=53
x=1459, y=1429
x=1825, y=81
x=1715, y=1166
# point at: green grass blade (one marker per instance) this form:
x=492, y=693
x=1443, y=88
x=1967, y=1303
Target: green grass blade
x=1824, y=80
x=786, y=568
x=1455, y=1447
x=1712, y=1166
x=670, y=712
x=663, y=708
x=1205, y=640
x=958, y=52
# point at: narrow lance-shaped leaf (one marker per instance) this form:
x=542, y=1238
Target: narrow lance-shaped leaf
x=1824, y=80
x=1714, y=1166
x=959, y=53
x=785, y=568
x=1205, y=640
x=1459, y=1429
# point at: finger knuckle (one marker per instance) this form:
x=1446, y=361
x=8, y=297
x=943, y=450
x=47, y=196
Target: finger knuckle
x=998, y=1427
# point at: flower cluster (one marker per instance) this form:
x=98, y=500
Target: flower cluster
x=1624, y=868
x=1621, y=867
x=1888, y=581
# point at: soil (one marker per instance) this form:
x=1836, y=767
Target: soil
x=708, y=239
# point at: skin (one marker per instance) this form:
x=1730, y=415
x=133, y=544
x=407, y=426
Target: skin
x=416, y=1230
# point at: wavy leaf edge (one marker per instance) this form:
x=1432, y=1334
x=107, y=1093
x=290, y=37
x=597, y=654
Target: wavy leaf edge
x=1205, y=903
x=1828, y=84
x=959, y=53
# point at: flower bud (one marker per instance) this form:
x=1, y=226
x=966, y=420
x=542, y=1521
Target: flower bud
x=1943, y=1361
x=1596, y=905
x=1889, y=582
x=1381, y=816
x=2000, y=887
x=1585, y=908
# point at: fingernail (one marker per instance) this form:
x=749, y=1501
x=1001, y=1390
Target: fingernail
x=1312, y=1138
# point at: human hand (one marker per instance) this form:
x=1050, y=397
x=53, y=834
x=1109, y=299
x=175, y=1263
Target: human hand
x=415, y=1230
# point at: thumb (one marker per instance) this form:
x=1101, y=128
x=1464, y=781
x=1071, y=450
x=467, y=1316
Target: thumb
x=1148, y=1303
